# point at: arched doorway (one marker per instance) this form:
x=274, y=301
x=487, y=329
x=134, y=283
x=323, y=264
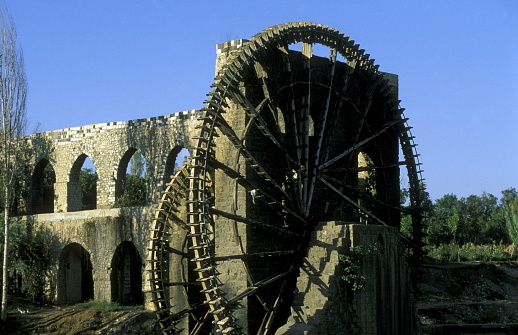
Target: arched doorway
x=126, y=275
x=75, y=283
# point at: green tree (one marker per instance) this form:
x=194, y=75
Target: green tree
x=30, y=258
x=88, y=178
x=509, y=212
x=508, y=196
x=134, y=192
x=511, y=220
x=476, y=215
x=452, y=222
x=439, y=229
x=137, y=164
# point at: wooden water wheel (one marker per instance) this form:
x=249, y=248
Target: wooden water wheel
x=300, y=127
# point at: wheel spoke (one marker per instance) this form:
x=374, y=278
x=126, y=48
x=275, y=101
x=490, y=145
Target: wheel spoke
x=254, y=223
x=261, y=124
x=352, y=202
x=321, y=130
x=249, y=157
x=361, y=143
x=304, y=122
x=291, y=117
x=258, y=193
x=257, y=286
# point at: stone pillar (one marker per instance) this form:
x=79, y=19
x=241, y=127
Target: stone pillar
x=60, y=196
x=74, y=195
x=379, y=303
x=105, y=191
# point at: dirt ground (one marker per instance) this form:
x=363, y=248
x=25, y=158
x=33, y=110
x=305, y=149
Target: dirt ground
x=469, y=293
x=32, y=319
x=454, y=293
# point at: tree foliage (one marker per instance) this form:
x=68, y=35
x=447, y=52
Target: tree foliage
x=137, y=164
x=88, y=178
x=29, y=259
x=134, y=192
x=510, y=213
x=483, y=219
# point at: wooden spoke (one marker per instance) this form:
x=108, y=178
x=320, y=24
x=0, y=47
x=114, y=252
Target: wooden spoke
x=255, y=255
x=361, y=143
x=352, y=202
x=255, y=223
x=257, y=286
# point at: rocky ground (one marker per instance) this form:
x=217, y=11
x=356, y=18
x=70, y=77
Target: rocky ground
x=453, y=293
x=469, y=293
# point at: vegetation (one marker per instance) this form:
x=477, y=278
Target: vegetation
x=352, y=262
x=88, y=178
x=104, y=306
x=472, y=228
x=29, y=255
x=134, y=185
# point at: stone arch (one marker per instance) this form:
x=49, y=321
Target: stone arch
x=43, y=180
x=75, y=275
x=171, y=163
x=75, y=201
x=121, y=175
x=126, y=275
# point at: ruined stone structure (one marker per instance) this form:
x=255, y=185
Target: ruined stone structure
x=93, y=250
x=295, y=161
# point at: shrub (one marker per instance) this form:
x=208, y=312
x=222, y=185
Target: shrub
x=453, y=252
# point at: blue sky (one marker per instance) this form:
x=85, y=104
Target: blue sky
x=100, y=61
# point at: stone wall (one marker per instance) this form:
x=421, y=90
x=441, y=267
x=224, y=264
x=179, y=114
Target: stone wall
x=99, y=232
x=109, y=146
x=380, y=302
x=96, y=234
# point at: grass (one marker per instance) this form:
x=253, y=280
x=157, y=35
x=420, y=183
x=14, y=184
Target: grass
x=104, y=306
x=453, y=252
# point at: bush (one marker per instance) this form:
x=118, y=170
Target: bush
x=29, y=259
x=453, y=252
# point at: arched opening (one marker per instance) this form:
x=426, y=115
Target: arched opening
x=75, y=280
x=43, y=180
x=82, y=186
x=130, y=188
x=174, y=161
x=126, y=275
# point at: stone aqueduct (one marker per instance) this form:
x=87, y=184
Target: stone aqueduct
x=101, y=254
x=106, y=237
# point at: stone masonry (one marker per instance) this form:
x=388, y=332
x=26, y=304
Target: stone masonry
x=325, y=305
x=100, y=231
